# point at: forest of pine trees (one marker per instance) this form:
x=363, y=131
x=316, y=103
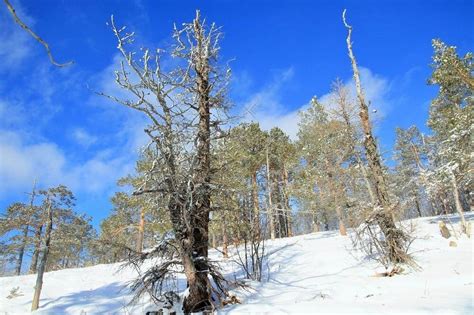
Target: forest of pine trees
x=206, y=182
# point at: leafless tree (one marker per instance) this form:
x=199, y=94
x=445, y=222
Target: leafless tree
x=394, y=240
x=185, y=105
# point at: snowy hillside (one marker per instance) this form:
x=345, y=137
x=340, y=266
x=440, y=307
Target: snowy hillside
x=314, y=273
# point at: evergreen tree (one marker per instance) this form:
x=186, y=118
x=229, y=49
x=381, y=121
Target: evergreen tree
x=410, y=153
x=325, y=151
x=451, y=118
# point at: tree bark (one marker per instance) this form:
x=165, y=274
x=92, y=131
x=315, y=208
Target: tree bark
x=44, y=258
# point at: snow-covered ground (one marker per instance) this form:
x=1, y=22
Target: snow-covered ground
x=313, y=273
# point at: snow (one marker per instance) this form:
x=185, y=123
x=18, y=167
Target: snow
x=313, y=273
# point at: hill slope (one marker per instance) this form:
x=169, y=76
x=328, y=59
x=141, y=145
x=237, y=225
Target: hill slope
x=314, y=273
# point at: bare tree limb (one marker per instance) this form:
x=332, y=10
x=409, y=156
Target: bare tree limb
x=35, y=36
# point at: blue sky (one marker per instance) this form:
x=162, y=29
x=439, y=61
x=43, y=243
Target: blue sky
x=54, y=129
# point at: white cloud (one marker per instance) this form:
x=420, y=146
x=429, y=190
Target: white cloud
x=22, y=162
x=266, y=107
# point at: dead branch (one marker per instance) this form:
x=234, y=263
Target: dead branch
x=34, y=35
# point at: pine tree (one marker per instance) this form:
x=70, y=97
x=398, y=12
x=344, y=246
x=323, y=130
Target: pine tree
x=54, y=200
x=452, y=120
x=410, y=153
x=18, y=220
x=324, y=151
x=280, y=156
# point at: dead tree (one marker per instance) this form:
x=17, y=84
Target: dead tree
x=185, y=107
x=394, y=244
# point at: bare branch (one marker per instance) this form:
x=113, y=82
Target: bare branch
x=35, y=36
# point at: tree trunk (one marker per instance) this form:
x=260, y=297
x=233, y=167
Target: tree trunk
x=199, y=297
x=213, y=240
x=336, y=192
x=225, y=241
x=342, y=227
x=457, y=202
x=34, y=258
x=351, y=136
x=384, y=217
x=270, y=203
x=141, y=231
x=256, y=208
x=315, y=224
x=286, y=203
x=418, y=207
x=44, y=258
x=21, y=251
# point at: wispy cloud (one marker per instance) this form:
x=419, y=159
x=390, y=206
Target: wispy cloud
x=265, y=106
